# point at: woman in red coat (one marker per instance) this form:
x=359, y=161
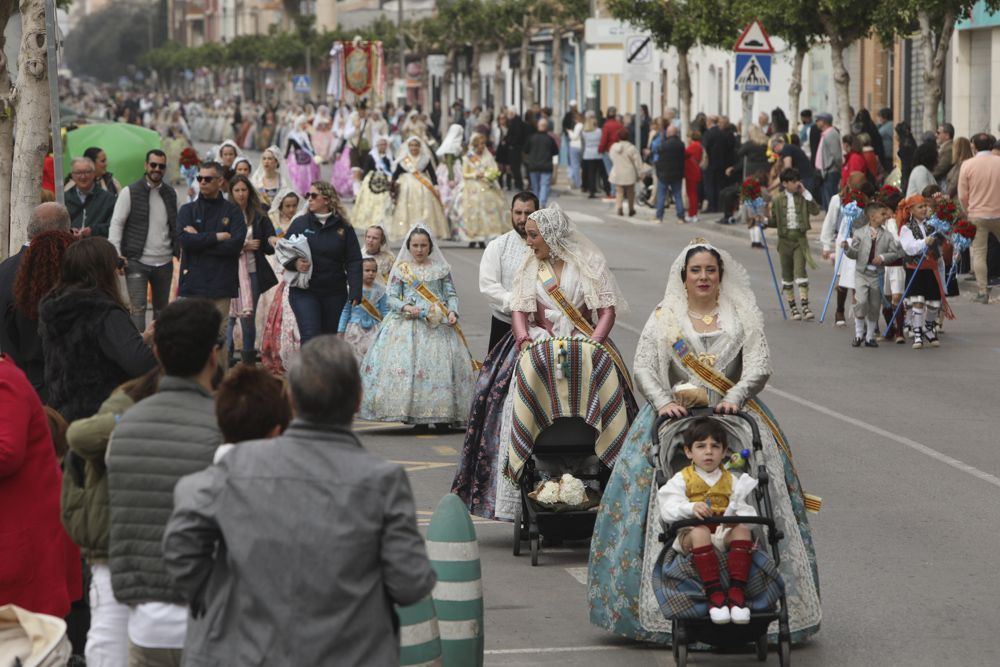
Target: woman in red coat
x=692, y=173
x=39, y=565
x=853, y=159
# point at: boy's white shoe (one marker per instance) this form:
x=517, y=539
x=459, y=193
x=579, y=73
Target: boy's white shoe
x=740, y=615
x=719, y=615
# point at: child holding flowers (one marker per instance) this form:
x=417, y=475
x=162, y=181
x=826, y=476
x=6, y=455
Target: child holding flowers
x=872, y=247
x=925, y=295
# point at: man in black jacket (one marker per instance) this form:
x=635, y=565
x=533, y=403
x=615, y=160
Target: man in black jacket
x=211, y=231
x=517, y=134
x=720, y=143
x=89, y=206
x=538, y=154
x=669, y=162
x=143, y=229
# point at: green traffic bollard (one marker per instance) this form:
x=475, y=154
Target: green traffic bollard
x=458, y=595
x=419, y=638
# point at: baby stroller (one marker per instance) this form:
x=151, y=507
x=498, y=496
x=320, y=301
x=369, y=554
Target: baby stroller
x=677, y=587
x=566, y=422
x=569, y=441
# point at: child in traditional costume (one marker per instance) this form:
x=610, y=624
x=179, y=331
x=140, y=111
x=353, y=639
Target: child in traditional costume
x=702, y=490
x=359, y=323
x=925, y=296
x=790, y=211
x=419, y=369
x=872, y=247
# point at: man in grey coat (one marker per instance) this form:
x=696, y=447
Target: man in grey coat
x=292, y=551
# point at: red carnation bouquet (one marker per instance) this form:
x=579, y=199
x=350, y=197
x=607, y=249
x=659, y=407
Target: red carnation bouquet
x=889, y=191
x=189, y=157
x=750, y=190
x=856, y=197
x=945, y=209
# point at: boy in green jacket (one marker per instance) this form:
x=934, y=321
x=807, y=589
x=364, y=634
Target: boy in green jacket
x=790, y=211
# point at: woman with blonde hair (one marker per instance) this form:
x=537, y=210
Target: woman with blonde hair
x=334, y=268
x=479, y=209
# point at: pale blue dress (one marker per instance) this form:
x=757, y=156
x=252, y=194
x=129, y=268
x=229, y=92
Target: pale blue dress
x=418, y=371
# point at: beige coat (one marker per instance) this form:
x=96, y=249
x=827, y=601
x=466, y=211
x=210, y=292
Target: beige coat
x=626, y=164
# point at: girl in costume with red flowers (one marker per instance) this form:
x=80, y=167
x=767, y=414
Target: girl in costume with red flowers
x=924, y=298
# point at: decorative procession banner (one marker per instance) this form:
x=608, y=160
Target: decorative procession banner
x=357, y=68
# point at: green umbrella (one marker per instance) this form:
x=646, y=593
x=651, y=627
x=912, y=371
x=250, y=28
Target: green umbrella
x=125, y=145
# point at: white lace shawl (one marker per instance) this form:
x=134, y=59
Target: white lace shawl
x=742, y=339
x=600, y=289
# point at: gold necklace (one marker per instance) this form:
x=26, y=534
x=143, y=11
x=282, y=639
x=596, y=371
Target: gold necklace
x=707, y=318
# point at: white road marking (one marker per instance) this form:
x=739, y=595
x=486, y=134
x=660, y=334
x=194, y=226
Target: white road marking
x=553, y=649
x=906, y=442
x=578, y=573
x=578, y=216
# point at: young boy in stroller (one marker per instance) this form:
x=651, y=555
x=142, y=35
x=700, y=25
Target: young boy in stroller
x=705, y=489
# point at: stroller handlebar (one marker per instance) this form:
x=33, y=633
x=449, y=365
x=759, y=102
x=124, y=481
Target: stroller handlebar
x=670, y=530
x=653, y=452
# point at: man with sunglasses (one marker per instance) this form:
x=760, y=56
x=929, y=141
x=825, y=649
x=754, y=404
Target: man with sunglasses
x=143, y=229
x=211, y=231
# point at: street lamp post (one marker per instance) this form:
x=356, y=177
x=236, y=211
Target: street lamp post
x=51, y=55
x=402, y=50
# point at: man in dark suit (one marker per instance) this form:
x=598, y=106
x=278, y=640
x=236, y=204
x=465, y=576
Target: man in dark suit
x=45, y=218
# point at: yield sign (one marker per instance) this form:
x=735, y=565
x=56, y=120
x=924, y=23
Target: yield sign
x=754, y=40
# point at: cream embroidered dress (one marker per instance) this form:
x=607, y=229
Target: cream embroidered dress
x=479, y=209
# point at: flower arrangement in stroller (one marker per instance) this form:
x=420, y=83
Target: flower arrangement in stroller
x=679, y=589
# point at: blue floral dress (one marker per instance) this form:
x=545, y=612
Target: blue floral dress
x=418, y=371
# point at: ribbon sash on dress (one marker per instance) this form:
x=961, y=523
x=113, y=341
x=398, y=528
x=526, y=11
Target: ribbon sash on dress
x=435, y=302
x=722, y=384
x=371, y=309
x=580, y=323
x=427, y=184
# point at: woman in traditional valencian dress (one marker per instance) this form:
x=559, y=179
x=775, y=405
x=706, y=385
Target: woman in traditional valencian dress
x=373, y=205
x=479, y=210
x=708, y=304
x=275, y=318
x=574, y=266
x=418, y=369
x=417, y=197
x=301, y=156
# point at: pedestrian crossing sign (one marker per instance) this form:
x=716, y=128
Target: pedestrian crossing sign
x=753, y=72
x=302, y=83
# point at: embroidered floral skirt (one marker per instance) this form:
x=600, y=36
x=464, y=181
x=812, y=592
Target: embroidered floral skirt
x=416, y=374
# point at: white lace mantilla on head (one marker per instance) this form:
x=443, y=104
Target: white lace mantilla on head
x=434, y=268
x=566, y=242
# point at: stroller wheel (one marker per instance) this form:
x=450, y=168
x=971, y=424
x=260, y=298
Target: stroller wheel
x=517, y=530
x=785, y=653
x=680, y=644
x=762, y=647
x=534, y=550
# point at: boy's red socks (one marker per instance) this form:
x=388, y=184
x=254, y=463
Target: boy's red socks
x=739, y=571
x=707, y=564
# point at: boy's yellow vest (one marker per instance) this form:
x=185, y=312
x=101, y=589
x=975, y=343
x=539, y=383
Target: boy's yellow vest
x=698, y=491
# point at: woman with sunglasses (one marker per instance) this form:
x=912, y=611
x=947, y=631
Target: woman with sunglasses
x=335, y=267
x=89, y=342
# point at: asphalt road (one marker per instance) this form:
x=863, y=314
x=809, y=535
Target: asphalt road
x=901, y=444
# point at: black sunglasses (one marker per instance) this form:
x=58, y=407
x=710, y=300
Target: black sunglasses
x=206, y=179
x=312, y=195
x=158, y=166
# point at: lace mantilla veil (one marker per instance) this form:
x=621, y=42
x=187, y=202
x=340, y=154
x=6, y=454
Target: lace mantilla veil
x=437, y=266
x=567, y=243
x=410, y=163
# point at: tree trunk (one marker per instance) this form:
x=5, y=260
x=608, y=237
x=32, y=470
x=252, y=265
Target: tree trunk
x=841, y=81
x=6, y=133
x=684, y=89
x=475, y=78
x=527, y=87
x=935, y=56
x=31, y=126
x=795, y=87
x=499, y=80
x=558, y=73
x=448, y=90
x=427, y=103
